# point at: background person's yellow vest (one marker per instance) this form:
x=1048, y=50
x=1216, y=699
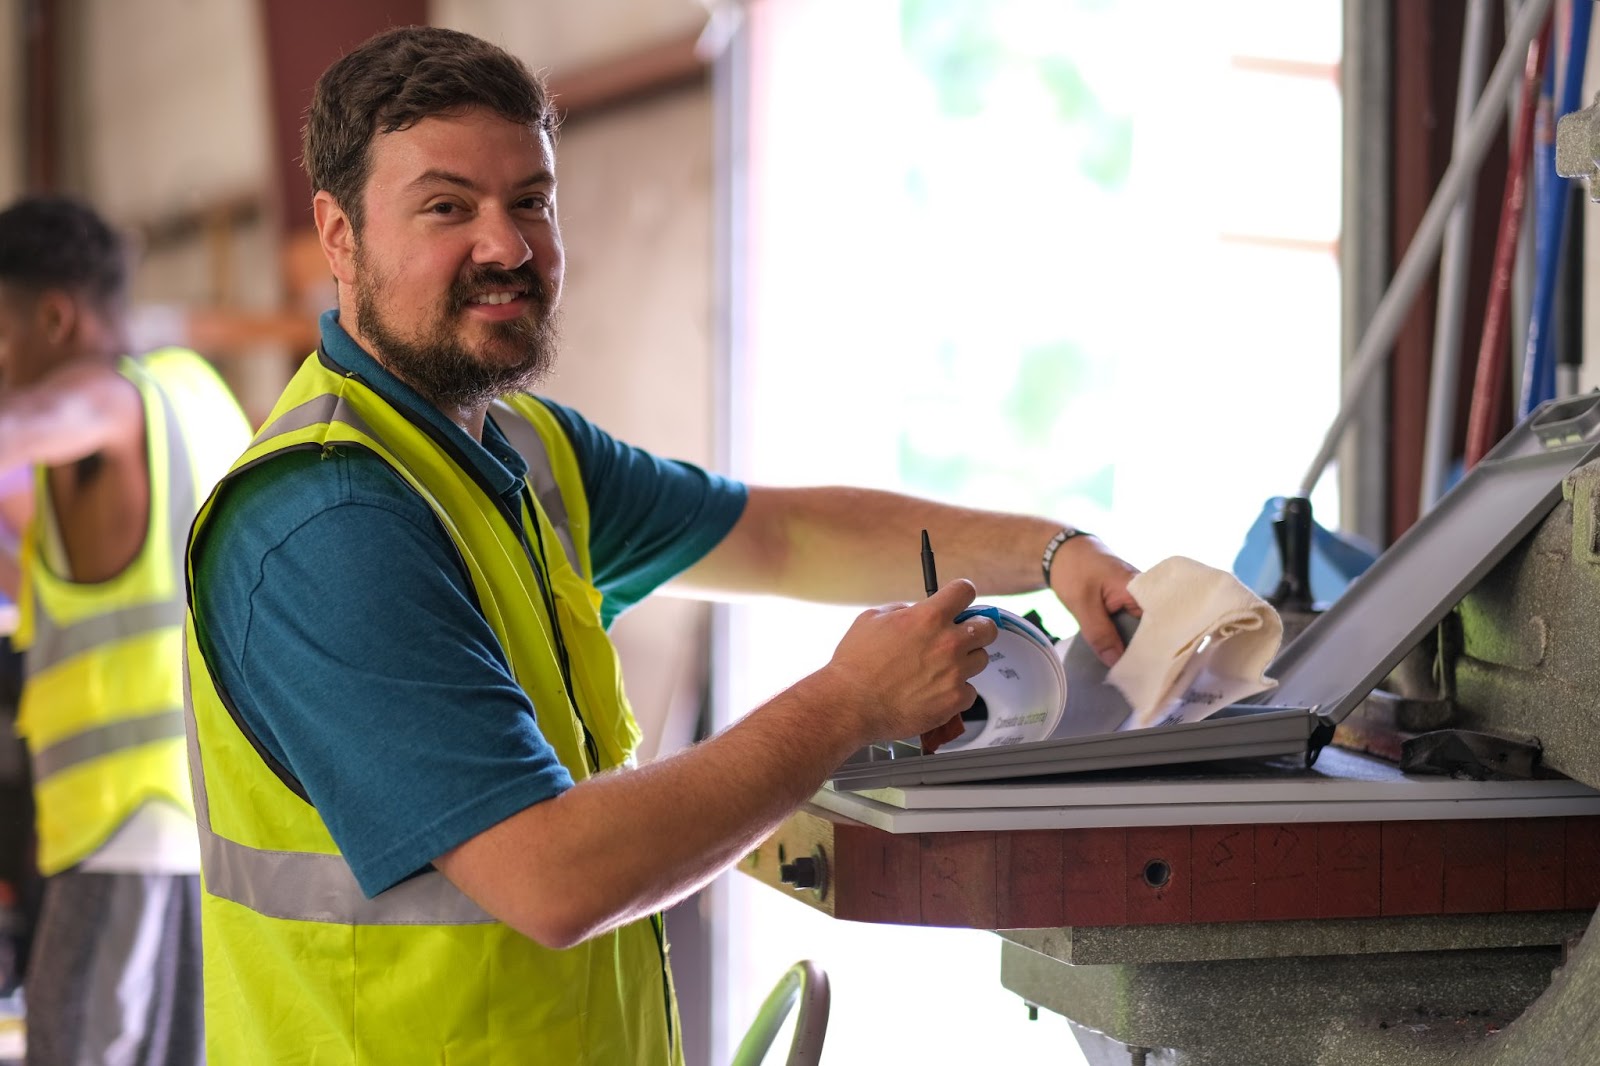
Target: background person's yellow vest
x=299, y=966
x=102, y=699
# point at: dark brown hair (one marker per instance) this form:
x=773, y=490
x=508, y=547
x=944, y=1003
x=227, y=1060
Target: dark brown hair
x=395, y=80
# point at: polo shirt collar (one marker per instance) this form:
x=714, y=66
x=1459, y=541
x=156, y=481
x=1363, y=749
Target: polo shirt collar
x=494, y=459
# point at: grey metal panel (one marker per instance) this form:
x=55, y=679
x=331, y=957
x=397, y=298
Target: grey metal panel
x=1340, y=775
x=1343, y=787
x=1263, y=732
x=1365, y=84
x=1346, y=651
x=897, y=820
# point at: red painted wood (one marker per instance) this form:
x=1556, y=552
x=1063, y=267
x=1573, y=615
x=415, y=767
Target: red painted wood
x=1154, y=853
x=1536, y=866
x=1583, y=862
x=294, y=61
x=1474, y=867
x=958, y=880
x=1286, y=868
x=1094, y=879
x=1413, y=868
x=1349, y=870
x=877, y=876
x=1097, y=877
x=1028, y=880
x=1224, y=872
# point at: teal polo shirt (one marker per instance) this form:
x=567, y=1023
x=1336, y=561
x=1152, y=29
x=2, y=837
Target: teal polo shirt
x=339, y=619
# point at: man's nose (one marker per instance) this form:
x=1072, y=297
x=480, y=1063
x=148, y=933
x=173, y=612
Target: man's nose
x=500, y=242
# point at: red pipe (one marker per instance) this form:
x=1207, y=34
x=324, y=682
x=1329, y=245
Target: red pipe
x=1489, y=382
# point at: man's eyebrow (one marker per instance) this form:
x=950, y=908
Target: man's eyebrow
x=438, y=176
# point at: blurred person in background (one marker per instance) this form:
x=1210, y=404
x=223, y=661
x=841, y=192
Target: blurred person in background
x=16, y=508
x=20, y=884
x=121, y=447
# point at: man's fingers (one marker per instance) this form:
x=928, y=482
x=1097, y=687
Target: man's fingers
x=955, y=597
x=1100, y=634
x=942, y=734
x=980, y=631
x=1122, y=600
x=880, y=611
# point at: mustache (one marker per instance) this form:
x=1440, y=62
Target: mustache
x=493, y=279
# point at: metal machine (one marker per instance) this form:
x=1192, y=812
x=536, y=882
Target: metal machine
x=1260, y=910
x=1263, y=911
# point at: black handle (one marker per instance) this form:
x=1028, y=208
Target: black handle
x=1292, y=528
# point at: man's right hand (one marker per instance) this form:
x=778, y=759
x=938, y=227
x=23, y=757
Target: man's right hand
x=623, y=844
x=903, y=670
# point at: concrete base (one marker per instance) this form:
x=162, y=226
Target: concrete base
x=1561, y=1027
x=1282, y=1012
x=1466, y=1007
x=1210, y=942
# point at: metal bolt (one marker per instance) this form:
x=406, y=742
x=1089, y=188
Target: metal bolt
x=801, y=874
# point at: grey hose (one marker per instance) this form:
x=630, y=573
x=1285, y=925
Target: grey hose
x=1454, y=259
x=1414, y=268
x=806, y=981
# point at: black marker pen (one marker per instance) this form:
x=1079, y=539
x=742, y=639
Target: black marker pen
x=930, y=580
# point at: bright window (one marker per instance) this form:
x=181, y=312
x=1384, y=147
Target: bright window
x=1070, y=257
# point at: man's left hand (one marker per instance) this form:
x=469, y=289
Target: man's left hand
x=1093, y=584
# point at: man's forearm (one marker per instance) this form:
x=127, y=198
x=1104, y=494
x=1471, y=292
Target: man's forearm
x=631, y=842
x=16, y=511
x=848, y=545
x=10, y=576
x=75, y=412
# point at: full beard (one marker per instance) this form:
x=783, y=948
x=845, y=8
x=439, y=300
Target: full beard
x=438, y=365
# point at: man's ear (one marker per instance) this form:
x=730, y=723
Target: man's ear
x=337, y=235
x=56, y=314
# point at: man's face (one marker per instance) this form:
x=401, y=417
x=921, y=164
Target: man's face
x=25, y=349
x=458, y=265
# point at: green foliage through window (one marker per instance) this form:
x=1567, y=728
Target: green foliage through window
x=1018, y=115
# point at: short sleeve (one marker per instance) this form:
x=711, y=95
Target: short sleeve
x=650, y=518
x=334, y=610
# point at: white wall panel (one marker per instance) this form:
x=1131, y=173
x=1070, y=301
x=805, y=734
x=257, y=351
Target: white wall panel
x=165, y=103
x=635, y=195
x=561, y=37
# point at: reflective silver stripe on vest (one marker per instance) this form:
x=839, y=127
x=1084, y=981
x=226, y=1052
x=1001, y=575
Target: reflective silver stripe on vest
x=518, y=430
x=105, y=740
x=56, y=644
x=541, y=474
x=325, y=408
x=309, y=887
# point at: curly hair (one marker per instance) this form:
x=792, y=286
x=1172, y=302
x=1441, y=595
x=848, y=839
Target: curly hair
x=57, y=242
x=395, y=80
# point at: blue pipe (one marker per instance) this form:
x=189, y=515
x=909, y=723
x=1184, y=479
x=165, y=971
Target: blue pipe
x=1539, y=365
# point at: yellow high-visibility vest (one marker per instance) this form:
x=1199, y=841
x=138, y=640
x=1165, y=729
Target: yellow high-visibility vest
x=300, y=967
x=102, y=697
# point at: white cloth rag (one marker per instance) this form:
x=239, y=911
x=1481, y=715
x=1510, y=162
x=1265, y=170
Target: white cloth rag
x=1202, y=644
